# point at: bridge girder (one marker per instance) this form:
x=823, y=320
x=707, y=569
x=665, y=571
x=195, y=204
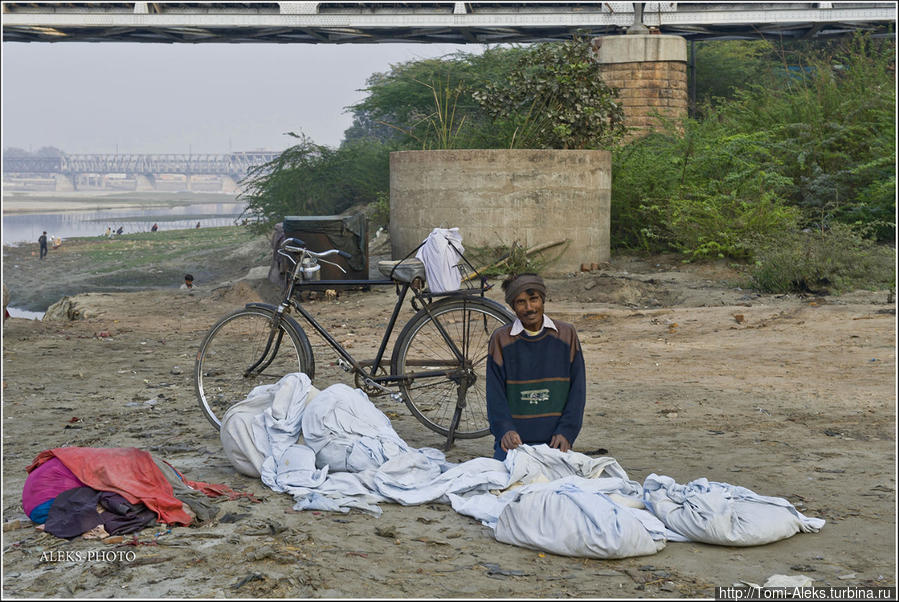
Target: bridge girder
x=235, y=165
x=434, y=22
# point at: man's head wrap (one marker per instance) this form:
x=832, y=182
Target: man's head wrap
x=523, y=283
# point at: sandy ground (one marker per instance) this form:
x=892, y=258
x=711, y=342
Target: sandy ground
x=688, y=376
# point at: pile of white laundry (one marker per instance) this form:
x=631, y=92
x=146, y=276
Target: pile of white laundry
x=334, y=450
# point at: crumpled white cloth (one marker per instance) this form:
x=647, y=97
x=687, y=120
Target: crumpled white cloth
x=572, y=516
x=441, y=259
x=347, y=432
x=528, y=466
x=287, y=463
x=538, y=497
x=245, y=435
x=530, y=463
x=723, y=514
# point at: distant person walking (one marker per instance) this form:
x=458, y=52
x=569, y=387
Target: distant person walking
x=42, y=240
x=120, y=230
x=154, y=228
x=108, y=231
x=198, y=224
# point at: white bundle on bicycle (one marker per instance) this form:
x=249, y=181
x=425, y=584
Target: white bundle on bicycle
x=441, y=252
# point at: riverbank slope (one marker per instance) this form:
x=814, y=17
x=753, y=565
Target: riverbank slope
x=132, y=262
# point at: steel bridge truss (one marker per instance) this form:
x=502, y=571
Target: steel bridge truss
x=234, y=165
x=431, y=22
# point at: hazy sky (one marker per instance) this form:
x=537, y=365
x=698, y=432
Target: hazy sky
x=178, y=98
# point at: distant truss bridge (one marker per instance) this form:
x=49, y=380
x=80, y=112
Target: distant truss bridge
x=233, y=165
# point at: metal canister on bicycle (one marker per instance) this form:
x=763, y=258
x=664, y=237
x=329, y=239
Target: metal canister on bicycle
x=310, y=268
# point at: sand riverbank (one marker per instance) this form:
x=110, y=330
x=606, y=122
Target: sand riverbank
x=794, y=398
x=61, y=202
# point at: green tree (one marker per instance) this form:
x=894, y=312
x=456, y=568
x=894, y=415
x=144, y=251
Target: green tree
x=722, y=67
x=555, y=97
x=401, y=104
x=311, y=179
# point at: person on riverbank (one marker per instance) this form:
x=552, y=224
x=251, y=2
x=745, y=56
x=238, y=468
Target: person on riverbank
x=154, y=228
x=536, y=384
x=198, y=224
x=108, y=232
x=42, y=241
x=120, y=230
x=188, y=282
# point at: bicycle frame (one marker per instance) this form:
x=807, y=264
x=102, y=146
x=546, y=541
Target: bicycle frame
x=371, y=376
x=456, y=368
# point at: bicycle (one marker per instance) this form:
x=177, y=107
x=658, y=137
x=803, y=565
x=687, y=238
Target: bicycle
x=437, y=366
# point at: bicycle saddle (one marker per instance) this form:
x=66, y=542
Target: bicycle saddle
x=406, y=270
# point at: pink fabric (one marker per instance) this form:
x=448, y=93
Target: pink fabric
x=46, y=482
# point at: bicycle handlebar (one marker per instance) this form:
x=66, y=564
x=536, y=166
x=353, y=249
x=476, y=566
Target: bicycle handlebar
x=295, y=245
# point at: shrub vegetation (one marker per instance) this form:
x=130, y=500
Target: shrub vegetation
x=788, y=164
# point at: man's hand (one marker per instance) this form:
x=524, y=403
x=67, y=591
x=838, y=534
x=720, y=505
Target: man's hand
x=559, y=442
x=510, y=441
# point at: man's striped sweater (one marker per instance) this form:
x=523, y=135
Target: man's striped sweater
x=535, y=385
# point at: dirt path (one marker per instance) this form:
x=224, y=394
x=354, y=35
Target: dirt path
x=687, y=376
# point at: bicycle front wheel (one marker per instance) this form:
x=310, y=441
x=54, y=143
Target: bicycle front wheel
x=240, y=353
x=435, y=382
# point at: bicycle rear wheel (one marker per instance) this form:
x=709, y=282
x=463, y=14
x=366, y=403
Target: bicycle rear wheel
x=237, y=342
x=434, y=381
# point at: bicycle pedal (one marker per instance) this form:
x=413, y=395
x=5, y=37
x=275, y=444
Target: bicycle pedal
x=397, y=397
x=344, y=365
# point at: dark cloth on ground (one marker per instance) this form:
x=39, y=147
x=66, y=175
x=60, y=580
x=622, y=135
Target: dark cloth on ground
x=122, y=516
x=198, y=501
x=74, y=512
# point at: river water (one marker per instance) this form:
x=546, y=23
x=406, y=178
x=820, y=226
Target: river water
x=27, y=227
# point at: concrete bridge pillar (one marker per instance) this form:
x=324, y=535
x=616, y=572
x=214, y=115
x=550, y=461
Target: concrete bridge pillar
x=64, y=183
x=650, y=71
x=144, y=182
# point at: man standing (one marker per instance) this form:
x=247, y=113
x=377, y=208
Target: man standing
x=42, y=240
x=536, y=387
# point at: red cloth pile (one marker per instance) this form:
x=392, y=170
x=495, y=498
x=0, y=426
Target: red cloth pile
x=131, y=473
